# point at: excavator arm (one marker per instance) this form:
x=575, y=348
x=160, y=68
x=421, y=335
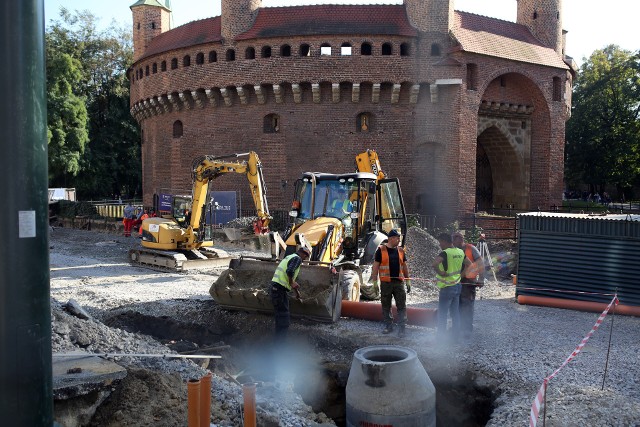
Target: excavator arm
x=208, y=168
x=368, y=161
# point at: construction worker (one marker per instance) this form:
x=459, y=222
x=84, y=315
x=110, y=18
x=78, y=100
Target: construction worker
x=471, y=281
x=283, y=281
x=449, y=265
x=390, y=264
x=341, y=206
x=129, y=215
x=141, y=218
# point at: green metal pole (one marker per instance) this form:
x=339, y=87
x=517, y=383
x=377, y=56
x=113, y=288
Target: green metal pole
x=26, y=397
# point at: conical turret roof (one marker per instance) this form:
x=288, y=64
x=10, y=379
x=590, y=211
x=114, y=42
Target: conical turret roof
x=159, y=3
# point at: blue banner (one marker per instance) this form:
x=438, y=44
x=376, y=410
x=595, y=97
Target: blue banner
x=164, y=202
x=223, y=209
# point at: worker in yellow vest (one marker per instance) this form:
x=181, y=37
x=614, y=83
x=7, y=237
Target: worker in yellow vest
x=449, y=265
x=283, y=281
x=471, y=281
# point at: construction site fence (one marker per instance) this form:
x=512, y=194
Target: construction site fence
x=502, y=223
x=115, y=208
x=497, y=222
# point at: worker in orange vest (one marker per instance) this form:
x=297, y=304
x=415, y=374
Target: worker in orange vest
x=472, y=280
x=390, y=263
x=142, y=217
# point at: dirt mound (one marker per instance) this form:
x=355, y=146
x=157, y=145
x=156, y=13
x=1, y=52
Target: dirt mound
x=122, y=408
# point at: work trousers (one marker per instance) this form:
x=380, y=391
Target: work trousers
x=449, y=303
x=280, y=300
x=128, y=224
x=467, y=299
x=393, y=290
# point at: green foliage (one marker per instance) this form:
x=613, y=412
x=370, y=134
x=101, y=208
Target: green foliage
x=603, y=134
x=67, y=117
x=87, y=80
x=413, y=220
x=472, y=235
x=449, y=228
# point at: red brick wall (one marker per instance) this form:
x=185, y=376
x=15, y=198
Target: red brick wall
x=148, y=22
x=238, y=16
x=429, y=142
x=544, y=19
x=432, y=16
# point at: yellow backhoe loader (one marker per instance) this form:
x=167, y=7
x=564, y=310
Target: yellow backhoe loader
x=184, y=239
x=344, y=218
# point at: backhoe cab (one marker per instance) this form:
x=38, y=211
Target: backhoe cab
x=345, y=218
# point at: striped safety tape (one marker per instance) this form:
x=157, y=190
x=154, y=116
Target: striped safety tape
x=537, y=402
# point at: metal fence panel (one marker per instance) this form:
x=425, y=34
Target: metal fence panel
x=579, y=254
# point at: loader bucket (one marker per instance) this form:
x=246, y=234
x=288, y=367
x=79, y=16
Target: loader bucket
x=245, y=286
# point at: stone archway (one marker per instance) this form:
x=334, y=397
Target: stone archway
x=502, y=167
x=512, y=110
x=484, y=180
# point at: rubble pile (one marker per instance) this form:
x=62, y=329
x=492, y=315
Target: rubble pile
x=154, y=391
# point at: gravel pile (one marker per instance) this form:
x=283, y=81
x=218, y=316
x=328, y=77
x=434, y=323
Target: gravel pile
x=513, y=348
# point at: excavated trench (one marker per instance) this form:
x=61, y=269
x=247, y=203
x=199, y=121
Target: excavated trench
x=461, y=399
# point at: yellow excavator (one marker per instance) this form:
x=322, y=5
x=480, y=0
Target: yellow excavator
x=184, y=239
x=343, y=218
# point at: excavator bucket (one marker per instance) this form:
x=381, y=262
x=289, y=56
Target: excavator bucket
x=245, y=286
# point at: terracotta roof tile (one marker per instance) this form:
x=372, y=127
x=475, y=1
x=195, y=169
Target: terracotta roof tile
x=475, y=33
x=191, y=34
x=330, y=19
x=502, y=39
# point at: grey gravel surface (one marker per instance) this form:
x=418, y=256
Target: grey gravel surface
x=513, y=348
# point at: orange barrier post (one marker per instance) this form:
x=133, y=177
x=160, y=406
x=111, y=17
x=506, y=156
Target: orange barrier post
x=249, y=394
x=193, y=403
x=205, y=400
x=373, y=311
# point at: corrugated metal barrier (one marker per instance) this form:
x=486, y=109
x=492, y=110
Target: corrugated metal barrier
x=579, y=257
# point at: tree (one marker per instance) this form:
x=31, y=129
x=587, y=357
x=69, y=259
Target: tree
x=603, y=134
x=110, y=160
x=66, y=119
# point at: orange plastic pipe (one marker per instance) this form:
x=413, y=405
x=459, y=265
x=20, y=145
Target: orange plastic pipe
x=595, y=307
x=373, y=311
x=205, y=400
x=249, y=395
x=193, y=403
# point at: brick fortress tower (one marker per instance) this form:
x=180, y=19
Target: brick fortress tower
x=469, y=111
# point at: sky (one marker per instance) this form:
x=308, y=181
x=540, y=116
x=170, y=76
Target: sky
x=591, y=24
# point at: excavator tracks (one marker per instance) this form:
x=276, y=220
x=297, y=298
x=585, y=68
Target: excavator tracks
x=173, y=261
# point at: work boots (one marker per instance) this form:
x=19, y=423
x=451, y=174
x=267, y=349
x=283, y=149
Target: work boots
x=388, y=328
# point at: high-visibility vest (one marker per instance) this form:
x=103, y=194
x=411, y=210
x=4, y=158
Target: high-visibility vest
x=142, y=218
x=455, y=260
x=344, y=206
x=385, y=271
x=474, y=269
x=280, y=275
